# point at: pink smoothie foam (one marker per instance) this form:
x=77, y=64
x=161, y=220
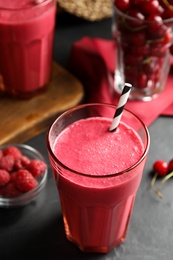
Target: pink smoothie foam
x=88, y=147
x=102, y=205
x=26, y=40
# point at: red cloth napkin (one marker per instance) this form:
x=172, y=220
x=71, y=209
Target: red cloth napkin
x=92, y=61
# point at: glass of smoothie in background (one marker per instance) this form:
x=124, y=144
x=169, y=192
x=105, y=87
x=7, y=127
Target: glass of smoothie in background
x=26, y=45
x=143, y=33
x=97, y=173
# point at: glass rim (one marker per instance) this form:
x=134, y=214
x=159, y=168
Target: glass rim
x=143, y=156
x=137, y=20
x=37, y=5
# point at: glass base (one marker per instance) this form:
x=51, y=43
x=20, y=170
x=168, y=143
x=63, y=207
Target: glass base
x=26, y=94
x=93, y=249
x=151, y=89
x=145, y=94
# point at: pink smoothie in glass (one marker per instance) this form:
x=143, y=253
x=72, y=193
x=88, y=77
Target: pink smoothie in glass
x=26, y=43
x=97, y=205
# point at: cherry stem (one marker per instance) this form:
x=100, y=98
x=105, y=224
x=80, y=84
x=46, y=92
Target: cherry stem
x=167, y=177
x=167, y=4
x=153, y=180
x=158, y=190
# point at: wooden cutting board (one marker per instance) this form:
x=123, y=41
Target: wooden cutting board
x=21, y=120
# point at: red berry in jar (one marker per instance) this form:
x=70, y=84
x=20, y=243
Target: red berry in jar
x=168, y=36
x=136, y=2
x=149, y=65
x=136, y=38
x=145, y=39
x=141, y=81
x=142, y=50
x=137, y=18
x=132, y=60
x=160, y=167
x=154, y=23
x=150, y=7
x=158, y=50
x=167, y=14
x=171, y=49
x=122, y=5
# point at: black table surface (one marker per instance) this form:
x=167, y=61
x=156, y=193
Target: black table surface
x=36, y=231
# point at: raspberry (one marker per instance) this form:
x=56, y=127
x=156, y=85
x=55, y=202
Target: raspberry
x=18, y=172
x=13, y=151
x=12, y=176
x=11, y=191
x=21, y=162
x=4, y=177
x=36, y=167
x=24, y=180
x=7, y=162
x=25, y=160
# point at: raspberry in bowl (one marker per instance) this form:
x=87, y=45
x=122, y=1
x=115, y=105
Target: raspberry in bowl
x=23, y=174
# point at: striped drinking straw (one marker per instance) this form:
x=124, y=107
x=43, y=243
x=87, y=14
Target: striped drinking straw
x=119, y=111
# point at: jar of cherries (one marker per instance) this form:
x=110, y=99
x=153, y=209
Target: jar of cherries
x=143, y=32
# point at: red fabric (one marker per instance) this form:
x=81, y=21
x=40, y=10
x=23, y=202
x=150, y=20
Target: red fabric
x=92, y=60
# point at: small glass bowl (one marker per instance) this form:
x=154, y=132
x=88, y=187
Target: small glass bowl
x=29, y=196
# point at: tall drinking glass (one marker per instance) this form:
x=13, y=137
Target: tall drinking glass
x=26, y=45
x=97, y=204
